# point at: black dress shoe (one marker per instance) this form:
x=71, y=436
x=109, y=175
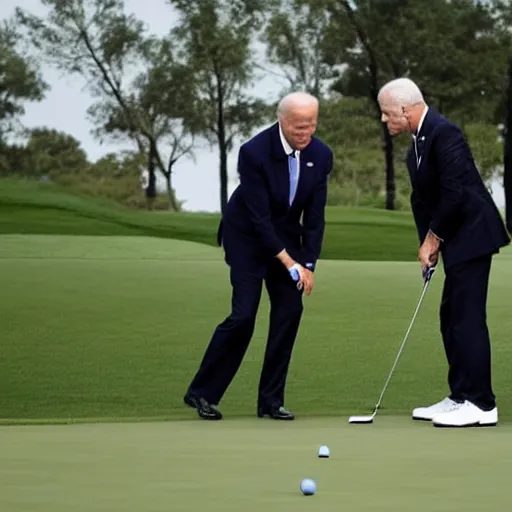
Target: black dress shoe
x=276, y=412
x=205, y=410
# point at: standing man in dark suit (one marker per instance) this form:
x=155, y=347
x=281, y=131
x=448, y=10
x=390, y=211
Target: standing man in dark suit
x=456, y=216
x=507, y=177
x=283, y=175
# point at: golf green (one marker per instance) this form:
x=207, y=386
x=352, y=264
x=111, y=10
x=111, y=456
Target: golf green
x=101, y=335
x=248, y=465
x=111, y=328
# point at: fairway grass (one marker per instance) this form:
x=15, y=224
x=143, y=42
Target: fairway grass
x=28, y=207
x=113, y=328
x=394, y=465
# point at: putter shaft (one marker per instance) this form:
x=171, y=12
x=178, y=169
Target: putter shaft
x=425, y=286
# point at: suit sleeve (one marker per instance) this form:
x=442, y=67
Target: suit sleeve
x=314, y=217
x=451, y=155
x=255, y=194
x=421, y=216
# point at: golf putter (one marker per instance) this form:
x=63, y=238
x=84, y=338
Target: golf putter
x=369, y=419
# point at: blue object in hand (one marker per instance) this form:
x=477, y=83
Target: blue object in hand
x=294, y=273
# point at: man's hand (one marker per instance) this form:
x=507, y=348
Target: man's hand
x=309, y=281
x=428, y=253
x=297, y=273
x=305, y=276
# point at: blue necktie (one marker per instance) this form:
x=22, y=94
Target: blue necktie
x=420, y=142
x=294, y=175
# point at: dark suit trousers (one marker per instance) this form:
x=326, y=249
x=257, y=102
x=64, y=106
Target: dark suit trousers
x=231, y=338
x=465, y=334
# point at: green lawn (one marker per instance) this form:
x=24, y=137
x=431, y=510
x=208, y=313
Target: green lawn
x=394, y=465
x=114, y=327
x=351, y=234
x=101, y=333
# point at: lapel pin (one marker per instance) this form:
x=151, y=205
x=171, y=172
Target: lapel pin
x=310, y=164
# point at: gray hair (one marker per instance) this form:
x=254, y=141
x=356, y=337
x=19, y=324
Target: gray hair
x=295, y=99
x=403, y=92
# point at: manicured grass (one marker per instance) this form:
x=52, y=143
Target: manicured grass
x=351, y=234
x=113, y=328
x=110, y=326
x=394, y=465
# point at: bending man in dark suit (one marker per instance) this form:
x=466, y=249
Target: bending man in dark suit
x=283, y=176
x=456, y=216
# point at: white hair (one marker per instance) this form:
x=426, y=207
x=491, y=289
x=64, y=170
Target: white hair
x=296, y=99
x=403, y=92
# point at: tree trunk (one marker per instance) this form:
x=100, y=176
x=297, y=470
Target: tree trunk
x=388, y=148
x=173, y=202
x=223, y=153
x=167, y=173
x=374, y=91
x=170, y=193
x=151, y=188
x=223, y=148
x=390, y=169
x=507, y=152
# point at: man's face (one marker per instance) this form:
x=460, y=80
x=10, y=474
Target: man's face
x=393, y=115
x=299, y=125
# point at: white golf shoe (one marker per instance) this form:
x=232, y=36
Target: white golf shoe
x=467, y=415
x=428, y=413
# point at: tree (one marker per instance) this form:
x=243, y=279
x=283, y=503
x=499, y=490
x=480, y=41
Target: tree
x=47, y=152
x=118, y=165
x=215, y=46
x=348, y=126
x=294, y=36
x=159, y=98
x=99, y=42
x=450, y=49
x=13, y=159
x=487, y=149
x=364, y=68
x=50, y=152
x=20, y=79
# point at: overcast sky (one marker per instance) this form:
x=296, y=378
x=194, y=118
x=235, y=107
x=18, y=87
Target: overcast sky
x=65, y=106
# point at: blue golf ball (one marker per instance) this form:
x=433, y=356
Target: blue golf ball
x=308, y=487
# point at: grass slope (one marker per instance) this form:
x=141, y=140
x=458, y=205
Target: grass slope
x=34, y=208
x=114, y=328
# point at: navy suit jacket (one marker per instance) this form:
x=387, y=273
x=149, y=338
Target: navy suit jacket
x=258, y=221
x=507, y=183
x=449, y=196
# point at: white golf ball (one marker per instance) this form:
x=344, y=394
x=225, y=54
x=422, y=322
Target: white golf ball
x=308, y=487
x=323, y=451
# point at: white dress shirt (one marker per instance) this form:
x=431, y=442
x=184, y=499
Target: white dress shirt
x=415, y=137
x=289, y=150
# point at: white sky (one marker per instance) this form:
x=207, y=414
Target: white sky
x=66, y=104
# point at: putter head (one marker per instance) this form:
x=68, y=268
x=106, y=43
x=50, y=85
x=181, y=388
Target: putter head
x=361, y=419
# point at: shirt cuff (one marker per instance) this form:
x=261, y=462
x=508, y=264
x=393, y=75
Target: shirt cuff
x=435, y=236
